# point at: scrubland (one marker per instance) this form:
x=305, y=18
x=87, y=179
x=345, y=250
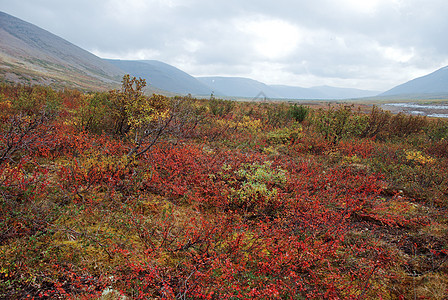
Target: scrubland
x=119, y=195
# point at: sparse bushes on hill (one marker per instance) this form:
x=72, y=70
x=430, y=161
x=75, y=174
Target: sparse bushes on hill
x=31, y=100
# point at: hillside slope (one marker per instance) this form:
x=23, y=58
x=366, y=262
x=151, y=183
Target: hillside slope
x=30, y=54
x=238, y=87
x=433, y=83
x=163, y=76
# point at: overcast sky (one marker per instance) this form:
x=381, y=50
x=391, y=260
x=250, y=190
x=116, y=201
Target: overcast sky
x=366, y=44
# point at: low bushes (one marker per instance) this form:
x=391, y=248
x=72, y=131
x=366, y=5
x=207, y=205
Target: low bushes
x=230, y=201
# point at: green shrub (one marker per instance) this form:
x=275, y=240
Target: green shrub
x=276, y=114
x=284, y=135
x=403, y=125
x=258, y=190
x=377, y=123
x=94, y=114
x=334, y=124
x=437, y=130
x=36, y=100
x=298, y=113
x=220, y=107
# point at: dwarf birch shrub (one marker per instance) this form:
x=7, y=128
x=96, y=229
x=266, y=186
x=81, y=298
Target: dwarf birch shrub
x=258, y=188
x=298, y=113
x=220, y=107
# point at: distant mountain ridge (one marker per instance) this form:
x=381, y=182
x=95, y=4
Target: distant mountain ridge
x=435, y=83
x=237, y=87
x=162, y=76
x=245, y=87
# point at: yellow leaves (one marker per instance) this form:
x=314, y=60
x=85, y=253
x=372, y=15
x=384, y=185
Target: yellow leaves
x=284, y=135
x=246, y=122
x=419, y=157
x=353, y=159
x=256, y=178
x=226, y=123
x=251, y=124
x=92, y=167
x=133, y=112
x=4, y=271
x=145, y=111
x=11, y=173
x=140, y=110
x=107, y=162
x=5, y=107
x=270, y=150
x=5, y=104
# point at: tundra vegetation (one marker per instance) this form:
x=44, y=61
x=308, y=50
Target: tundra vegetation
x=181, y=198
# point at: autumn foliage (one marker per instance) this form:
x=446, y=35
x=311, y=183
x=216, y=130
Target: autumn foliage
x=119, y=194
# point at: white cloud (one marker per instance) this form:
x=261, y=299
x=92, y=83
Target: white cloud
x=397, y=54
x=130, y=12
x=271, y=38
x=192, y=45
x=138, y=54
x=364, y=6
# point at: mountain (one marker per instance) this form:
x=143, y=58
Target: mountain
x=330, y=92
x=30, y=54
x=238, y=87
x=163, y=76
x=435, y=83
x=295, y=92
x=245, y=87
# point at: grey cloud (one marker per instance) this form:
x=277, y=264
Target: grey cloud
x=377, y=48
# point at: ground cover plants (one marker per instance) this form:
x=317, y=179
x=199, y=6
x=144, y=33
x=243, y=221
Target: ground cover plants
x=120, y=195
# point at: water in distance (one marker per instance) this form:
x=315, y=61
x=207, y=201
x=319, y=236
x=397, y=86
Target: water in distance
x=436, y=110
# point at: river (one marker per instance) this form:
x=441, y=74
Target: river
x=436, y=110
